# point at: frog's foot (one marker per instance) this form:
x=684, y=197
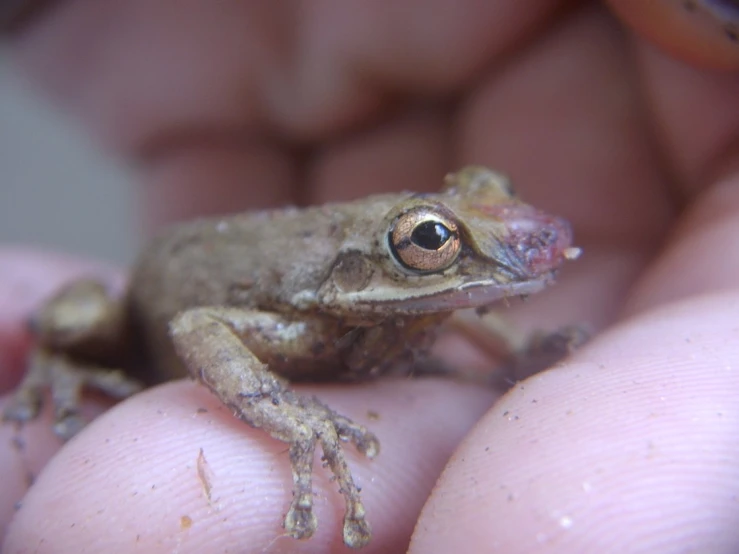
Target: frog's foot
x=522, y=354
x=66, y=381
x=211, y=343
x=82, y=321
x=364, y=441
x=302, y=423
x=315, y=423
x=542, y=350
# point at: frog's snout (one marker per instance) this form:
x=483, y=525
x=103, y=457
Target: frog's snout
x=537, y=243
x=546, y=245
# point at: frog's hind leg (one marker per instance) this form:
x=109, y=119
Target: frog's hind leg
x=81, y=322
x=219, y=346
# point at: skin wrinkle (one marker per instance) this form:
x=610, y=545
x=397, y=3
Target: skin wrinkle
x=686, y=294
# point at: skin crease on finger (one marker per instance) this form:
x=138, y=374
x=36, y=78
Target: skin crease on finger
x=559, y=387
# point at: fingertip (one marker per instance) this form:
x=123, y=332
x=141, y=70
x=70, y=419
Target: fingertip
x=701, y=32
x=148, y=474
x=24, y=452
x=28, y=448
x=171, y=467
x=630, y=447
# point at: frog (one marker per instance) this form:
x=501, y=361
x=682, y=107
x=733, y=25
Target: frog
x=248, y=303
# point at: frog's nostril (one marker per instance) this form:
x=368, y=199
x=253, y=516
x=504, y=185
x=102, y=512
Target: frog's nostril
x=543, y=247
x=536, y=242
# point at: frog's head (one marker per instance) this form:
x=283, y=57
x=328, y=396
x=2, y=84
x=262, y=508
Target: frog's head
x=468, y=246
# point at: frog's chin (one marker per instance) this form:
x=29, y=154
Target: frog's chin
x=466, y=295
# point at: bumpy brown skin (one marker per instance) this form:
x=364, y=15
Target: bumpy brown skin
x=342, y=291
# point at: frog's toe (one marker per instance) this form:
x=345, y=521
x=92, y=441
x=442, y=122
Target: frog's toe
x=23, y=406
x=542, y=351
x=113, y=382
x=300, y=521
x=28, y=400
x=68, y=425
x=65, y=380
x=331, y=431
x=357, y=531
x=364, y=440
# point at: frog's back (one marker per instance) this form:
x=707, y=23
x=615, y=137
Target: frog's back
x=255, y=260
x=250, y=259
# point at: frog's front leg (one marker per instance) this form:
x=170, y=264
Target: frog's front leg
x=80, y=324
x=225, y=349
x=522, y=354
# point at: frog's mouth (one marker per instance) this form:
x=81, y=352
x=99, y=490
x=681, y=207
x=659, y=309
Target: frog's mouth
x=473, y=295
x=467, y=295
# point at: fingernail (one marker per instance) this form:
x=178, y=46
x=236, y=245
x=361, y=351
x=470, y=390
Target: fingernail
x=701, y=32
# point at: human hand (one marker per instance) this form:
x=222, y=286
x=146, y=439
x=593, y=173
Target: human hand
x=627, y=447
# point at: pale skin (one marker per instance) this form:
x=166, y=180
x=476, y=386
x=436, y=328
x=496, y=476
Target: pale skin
x=563, y=462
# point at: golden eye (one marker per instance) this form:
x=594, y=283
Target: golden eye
x=424, y=241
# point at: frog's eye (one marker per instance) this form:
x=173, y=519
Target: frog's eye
x=423, y=240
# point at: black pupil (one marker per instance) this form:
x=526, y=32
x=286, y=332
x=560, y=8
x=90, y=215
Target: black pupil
x=430, y=235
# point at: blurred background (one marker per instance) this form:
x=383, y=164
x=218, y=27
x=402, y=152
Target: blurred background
x=57, y=190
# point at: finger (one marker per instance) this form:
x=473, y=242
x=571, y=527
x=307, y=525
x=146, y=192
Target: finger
x=696, y=115
x=566, y=122
x=173, y=468
x=702, y=257
x=27, y=449
x=702, y=32
x=632, y=447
